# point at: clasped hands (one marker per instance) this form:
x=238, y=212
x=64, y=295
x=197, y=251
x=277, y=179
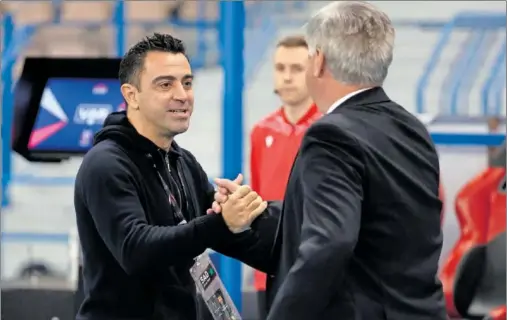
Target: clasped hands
x=238, y=204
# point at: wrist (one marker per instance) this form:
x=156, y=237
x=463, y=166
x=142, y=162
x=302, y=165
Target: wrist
x=212, y=228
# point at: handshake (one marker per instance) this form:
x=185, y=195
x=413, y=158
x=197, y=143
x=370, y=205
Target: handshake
x=239, y=205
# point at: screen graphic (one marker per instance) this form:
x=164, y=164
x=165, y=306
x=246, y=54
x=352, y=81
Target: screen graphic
x=72, y=111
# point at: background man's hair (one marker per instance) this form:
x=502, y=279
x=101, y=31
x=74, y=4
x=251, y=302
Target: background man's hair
x=295, y=41
x=133, y=61
x=357, y=40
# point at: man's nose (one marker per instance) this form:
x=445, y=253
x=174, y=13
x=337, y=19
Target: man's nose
x=287, y=77
x=180, y=93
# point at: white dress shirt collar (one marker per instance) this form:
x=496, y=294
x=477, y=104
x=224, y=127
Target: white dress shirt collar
x=345, y=98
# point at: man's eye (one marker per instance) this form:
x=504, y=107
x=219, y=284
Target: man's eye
x=297, y=68
x=165, y=84
x=187, y=84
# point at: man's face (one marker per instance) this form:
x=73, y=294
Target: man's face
x=290, y=69
x=165, y=97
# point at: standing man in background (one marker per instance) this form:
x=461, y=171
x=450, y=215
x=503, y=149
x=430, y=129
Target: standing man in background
x=275, y=139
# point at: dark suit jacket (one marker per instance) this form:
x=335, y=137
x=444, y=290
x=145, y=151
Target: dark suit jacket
x=359, y=236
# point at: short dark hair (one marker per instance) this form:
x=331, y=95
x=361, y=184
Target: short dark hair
x=133, y=61
x=294, y=41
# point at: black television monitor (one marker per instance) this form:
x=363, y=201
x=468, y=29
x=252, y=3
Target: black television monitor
x=60, y=103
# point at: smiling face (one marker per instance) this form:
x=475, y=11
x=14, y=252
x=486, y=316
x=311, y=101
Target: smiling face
x=166, y=97
x=162, y=94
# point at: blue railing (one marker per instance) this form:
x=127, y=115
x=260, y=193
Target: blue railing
x=7, y=68
x=476, y=22
x=461, y=68
x=494, y=84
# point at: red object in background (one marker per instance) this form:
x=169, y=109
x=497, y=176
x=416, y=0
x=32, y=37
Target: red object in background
x=474, y=207
x=497, y=226
x=498, y=314
x=497, y=212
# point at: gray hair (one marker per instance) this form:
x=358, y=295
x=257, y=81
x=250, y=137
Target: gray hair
x=356, y=39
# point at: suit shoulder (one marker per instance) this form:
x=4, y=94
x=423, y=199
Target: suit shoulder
x=333, y=131
x=332, y=125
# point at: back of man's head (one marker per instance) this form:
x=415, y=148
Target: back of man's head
x=356, y=39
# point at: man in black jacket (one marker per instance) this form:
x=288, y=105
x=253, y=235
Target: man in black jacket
x=141, y=200
x=359, y=235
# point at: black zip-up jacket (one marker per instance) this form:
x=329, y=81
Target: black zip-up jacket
x=135, y=255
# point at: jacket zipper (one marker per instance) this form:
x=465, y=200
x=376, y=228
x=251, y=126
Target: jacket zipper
x=179, y=215
x=184, y=198
x=167, y=164
x=183, y=186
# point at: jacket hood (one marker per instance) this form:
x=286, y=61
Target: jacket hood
x=118, y=128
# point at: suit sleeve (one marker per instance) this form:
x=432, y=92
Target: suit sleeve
x=107, y=189
x=332, y=191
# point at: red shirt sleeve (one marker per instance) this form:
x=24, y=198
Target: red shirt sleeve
x=256, y=146
x=254, y=160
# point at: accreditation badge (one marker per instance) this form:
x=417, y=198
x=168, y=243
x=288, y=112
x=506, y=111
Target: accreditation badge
x=212, y=289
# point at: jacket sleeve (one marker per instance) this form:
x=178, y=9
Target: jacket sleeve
x=253, y=246
x=107, y=189
x=332, y=191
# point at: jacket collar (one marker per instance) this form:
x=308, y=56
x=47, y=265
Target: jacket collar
x=374, y=95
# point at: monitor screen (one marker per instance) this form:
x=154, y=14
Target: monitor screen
x=71, y=111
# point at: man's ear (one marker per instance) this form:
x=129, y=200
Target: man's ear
x=319, y=62
x=129, y=93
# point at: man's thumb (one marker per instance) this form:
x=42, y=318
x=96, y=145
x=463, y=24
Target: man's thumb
x=227, y=184
x=239, y=179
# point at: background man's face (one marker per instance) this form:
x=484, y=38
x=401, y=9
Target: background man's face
x=166, y=98
x=290, y=69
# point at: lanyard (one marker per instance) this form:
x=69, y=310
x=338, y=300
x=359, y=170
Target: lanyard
x=172, y=200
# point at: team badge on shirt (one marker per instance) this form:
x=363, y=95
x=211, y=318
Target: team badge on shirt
x=269, y=141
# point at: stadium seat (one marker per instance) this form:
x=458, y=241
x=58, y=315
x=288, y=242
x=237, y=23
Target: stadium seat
x=473, y=206
x=480, y=210
x=190, y=10
x=69, y=41
x=136, y=32
x=29, y=12
x=152, y=11
x=479, y=289
x=87, y=11
x=156, y=12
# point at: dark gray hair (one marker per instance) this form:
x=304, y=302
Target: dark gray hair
x=357, y=40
